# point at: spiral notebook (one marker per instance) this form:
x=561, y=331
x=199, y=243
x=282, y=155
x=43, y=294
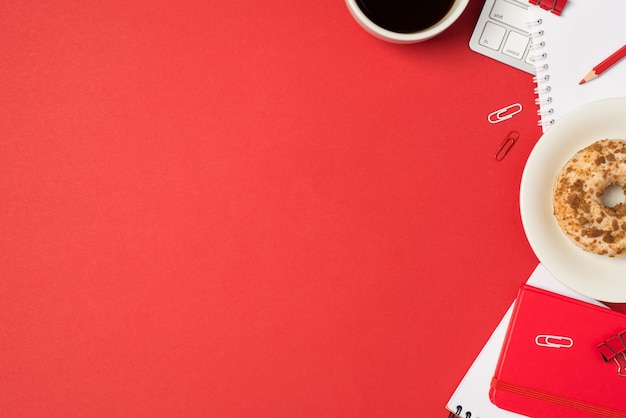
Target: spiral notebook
x=565, y=48
x=550, y=364
x=472, y=394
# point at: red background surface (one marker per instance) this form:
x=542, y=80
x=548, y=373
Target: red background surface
x=245, y=208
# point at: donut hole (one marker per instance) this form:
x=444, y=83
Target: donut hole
x=613, y=195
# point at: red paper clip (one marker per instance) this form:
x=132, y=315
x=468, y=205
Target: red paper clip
x=506, y=145
x=614, y=348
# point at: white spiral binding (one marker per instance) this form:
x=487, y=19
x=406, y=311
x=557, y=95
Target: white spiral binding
x=542, y=79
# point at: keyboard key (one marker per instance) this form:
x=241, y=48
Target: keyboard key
x=498, y=18
x=529, y=59
x=515, y=45
x=492, y=36
x=510, y=14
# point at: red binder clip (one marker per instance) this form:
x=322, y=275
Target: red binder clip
x=558, y=6
x=554, y=6
x=614, y=348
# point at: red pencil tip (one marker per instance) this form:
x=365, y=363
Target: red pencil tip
x=582, y=81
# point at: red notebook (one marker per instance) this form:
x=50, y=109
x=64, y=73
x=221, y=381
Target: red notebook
x=551, y=362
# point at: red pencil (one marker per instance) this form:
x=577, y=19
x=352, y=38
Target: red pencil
x=604, y=65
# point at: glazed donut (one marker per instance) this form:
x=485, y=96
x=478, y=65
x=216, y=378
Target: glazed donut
x=577, y=198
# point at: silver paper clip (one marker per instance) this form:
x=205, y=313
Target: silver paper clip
x=505, y=113
x=554, y=341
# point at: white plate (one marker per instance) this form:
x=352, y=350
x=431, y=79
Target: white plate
x=596, y=276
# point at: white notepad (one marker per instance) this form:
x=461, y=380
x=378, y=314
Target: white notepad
x=567, y=47
x=472, y=394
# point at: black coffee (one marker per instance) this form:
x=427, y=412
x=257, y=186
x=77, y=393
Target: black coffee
x=405, y=16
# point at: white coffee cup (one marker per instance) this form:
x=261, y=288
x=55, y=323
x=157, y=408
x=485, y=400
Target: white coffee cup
x=435, y=29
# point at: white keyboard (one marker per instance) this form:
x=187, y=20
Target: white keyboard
x=502, y=33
